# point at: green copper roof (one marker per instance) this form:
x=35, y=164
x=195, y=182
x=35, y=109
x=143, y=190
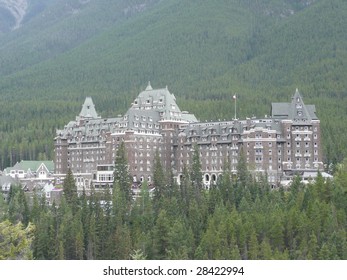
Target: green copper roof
x=32, y=165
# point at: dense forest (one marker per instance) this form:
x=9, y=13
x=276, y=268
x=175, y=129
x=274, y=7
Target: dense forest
x=238, y=218
x=204, y=51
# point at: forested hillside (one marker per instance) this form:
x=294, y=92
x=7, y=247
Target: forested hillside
x=205, y=51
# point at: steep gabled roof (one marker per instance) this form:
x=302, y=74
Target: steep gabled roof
x=88, y=110
x=31, y=165
x=295, y=110
x=162, y=102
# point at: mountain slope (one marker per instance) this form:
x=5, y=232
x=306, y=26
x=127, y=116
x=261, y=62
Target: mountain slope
x=12, y=13
x=203, y=51
x=53, y=27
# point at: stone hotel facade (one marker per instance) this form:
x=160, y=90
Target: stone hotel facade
x=286, y=143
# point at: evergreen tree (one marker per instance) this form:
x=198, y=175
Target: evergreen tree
x=3, y=208
x=243, y=175
x=195, y=172
x=18, y=209
x=180, y=240
x=16, y=241
x=161, y=233
x=226, y=187
x=41, y=246
x=138, y=255
x=120, y=206
x=35, y=210
x=160, y=184
x=186, y=192
x=121, y=173
x=253, y=245
x=324, y=252
x=312, y=247
x=92, y=240
x=265, y=250
x=70, y=190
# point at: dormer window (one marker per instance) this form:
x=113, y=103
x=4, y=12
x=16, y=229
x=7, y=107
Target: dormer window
x=135, y=102
x=148, y=101
x=161, y=100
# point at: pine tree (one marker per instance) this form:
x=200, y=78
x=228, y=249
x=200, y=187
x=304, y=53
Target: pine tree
x=16, y=241
x=160, y=184
x=180, y=241
x=226, y=187
x=265, y=250
x=253, y=246
x=243, y=174
x=121, y=173
x=195, y=172
x=186, y=192
x=70, y=190
x=18, y=209
x=35, y=210
x=324, y=252
x=3, y=208
x=122, y=242
x=161, y=236
x=312, y=247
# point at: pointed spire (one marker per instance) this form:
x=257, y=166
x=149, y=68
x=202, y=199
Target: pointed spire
x=297, y=97
x=299, y=110
x=149, y=87
x=88, y=109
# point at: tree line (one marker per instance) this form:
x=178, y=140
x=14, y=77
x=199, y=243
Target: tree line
x=238, y=218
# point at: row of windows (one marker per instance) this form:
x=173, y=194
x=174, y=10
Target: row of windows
x=106, y=177
x=302, y=128
x=141, y=168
